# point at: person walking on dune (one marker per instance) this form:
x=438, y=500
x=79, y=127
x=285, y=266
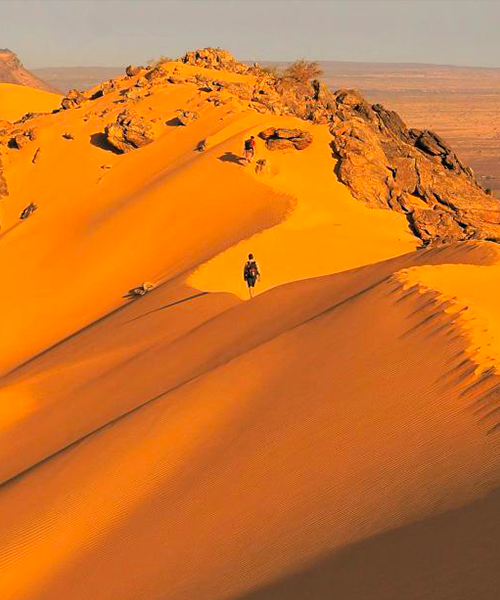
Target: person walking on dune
x=249, y=149
x=251, y=273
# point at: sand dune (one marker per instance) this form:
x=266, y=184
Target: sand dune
x=17, y=100
x=334, y=437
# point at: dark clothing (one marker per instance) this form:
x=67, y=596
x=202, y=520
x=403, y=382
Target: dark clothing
x=249, y=144
x=251, y=273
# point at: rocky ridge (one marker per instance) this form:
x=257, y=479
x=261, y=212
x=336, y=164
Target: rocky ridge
x=13, y=71
x=385, y=164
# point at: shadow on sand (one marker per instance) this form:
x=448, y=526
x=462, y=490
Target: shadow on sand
x=99, y=141
x=232, y=158
x=181, y=301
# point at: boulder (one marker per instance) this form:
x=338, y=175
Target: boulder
x=130, y=131
x=283, y=139
x=186, y=116
x=74, y=99
x=132, y=71
x=68, y=136
x=28, y=211
x=159, y=74
x=107, y=87
x=22, y=139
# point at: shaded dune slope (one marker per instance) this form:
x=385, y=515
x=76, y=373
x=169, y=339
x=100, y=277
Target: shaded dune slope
x=207, y=475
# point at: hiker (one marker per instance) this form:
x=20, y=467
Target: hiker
x=249, y=149
x=251, y=273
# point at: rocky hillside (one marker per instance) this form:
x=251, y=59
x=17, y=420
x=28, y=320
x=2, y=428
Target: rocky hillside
x=13, y=71
x=383, y=163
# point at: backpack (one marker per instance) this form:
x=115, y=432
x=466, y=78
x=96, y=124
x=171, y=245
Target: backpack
x=248, y=145
x=251, y=271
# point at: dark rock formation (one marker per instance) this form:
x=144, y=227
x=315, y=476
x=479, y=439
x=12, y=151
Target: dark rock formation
x=186, y=116
x=28, y=211
x=415, y=172
x=130, y=131
x=73, y=99
x=132, y=71
x=283, y=139
x=20, y=139
x=214, y=58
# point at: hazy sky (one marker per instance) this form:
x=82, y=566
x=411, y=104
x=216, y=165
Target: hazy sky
x=118, y=32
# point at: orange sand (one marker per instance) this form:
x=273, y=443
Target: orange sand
x=322, y=440
x=17, y=100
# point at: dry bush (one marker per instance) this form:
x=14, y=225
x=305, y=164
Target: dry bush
x=154, y=62
x=272, y=70
x=303, y=70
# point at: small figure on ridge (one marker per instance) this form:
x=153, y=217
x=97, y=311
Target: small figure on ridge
x=251, y=273
x=249, y=149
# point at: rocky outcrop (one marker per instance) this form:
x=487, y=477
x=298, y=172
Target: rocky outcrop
x=22, y=138
x=187, y=116
x=12, y=71
x=283, y=139
x=415, y=172
x=74, y=99
x=130, y=131
x=214, y=58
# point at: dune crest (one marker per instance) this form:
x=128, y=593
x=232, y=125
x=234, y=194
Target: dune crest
x=187, y=443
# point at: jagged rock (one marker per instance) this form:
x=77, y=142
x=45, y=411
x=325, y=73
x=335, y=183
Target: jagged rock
x=282, y=138
x=107, y=87
x=133, y=93
x=20, y=140
x=73, y=99
x=186, y=116
x=214, y=58
x=68, y=136
x=216, y=100
x=28, y=116
x=411, y=171
x=132, y=71
x=142, y=290
x=130, y=131
x=158, y=74
x=28, y=211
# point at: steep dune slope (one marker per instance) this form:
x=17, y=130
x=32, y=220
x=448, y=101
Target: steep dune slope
x=191, y=444
x=17, y=100
x=195, y=491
